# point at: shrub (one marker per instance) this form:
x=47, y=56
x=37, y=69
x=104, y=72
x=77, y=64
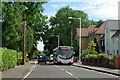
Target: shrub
x=111, y=60
x=102, y=57
x=20, y=54
x=21, y=60
x=9, y=58
x=0, y=56
x=88, y=52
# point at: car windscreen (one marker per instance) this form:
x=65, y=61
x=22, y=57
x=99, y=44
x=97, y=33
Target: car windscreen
x=65, y=54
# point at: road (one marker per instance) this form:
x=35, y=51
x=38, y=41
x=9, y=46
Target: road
x=51, y=71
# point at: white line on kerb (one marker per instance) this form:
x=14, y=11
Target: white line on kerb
x=69, y=73
x=32, y=68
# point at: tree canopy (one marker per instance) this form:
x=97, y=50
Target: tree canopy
x=13, y=21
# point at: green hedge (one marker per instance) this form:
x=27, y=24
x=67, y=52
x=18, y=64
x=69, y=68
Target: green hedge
x=9, y=58
x=111, y=60
x=88, y=52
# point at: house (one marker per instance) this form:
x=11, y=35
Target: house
x=88, y=34
x=111, y=29
x=84, y=37
x=116, y=43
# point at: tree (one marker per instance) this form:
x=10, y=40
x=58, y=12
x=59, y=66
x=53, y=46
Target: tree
x=62, y=26
x=13, y=20
x=76, y=46
x=96, y=47
x=91, y=45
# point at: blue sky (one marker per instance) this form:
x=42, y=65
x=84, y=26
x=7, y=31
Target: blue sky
x=96, y=9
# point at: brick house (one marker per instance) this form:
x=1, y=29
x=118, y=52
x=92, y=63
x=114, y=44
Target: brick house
x=88, y=34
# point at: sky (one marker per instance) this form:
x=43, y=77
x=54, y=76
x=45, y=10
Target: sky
x=96, y=9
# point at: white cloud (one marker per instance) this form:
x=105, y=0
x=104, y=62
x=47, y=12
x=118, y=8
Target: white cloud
x=55, y=6
x=104, y=8
x=100, y=8
x=58, y=5
x=69, y=0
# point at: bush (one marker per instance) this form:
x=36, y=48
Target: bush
x=20, y=54
x=9, y=58
x=0, y=56
x=111, y=60
x=102, y=57
x=88, y=52
x=21, y=60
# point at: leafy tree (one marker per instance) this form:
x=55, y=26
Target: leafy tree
x=96, y=47
x=62, y=27
x=91, y=46
x=13, y=22
x=76, y=46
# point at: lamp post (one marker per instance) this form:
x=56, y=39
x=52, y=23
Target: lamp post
x=58, y=39
x=79, y=37
x=71, y=34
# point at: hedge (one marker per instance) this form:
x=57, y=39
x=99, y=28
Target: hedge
x=9, y=58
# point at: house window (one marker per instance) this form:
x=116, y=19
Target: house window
x=117, y=52
x=113, y=51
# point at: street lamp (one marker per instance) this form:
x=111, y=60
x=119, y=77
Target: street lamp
x=79, y=37
x=71, y=31
x=58, y=39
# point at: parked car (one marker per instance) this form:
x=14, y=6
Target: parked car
x=51, y=58
x=42, y=58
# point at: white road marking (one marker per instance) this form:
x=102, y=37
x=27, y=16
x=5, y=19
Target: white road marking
x=56, y=66
x=62, y=69
x=69, y=73
x=33, y=67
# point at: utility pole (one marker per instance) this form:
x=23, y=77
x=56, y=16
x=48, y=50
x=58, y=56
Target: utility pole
x=24, y=40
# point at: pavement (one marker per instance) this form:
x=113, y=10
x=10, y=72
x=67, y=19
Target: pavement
x=100, y=69
x=18, y=71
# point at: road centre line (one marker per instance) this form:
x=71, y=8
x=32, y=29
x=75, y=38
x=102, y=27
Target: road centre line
x=62, y=69
x=69, y=73
x=33, y=67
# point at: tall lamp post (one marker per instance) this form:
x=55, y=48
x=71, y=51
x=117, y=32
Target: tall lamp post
x=79, y=37
x=71, y=34
x=58, y=39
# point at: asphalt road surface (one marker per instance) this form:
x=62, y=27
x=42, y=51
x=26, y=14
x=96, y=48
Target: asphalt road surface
x=50, y=71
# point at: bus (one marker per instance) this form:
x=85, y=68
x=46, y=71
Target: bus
x=63, y=55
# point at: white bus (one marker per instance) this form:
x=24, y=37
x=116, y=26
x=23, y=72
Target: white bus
x=63, y=55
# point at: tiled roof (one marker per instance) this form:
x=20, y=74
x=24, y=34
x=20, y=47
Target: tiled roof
x=84, y=32
x=91, y=28
x=98, y=29
x=101, y=28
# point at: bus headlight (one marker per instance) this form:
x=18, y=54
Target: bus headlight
x=58, y=60
x=70, y=61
